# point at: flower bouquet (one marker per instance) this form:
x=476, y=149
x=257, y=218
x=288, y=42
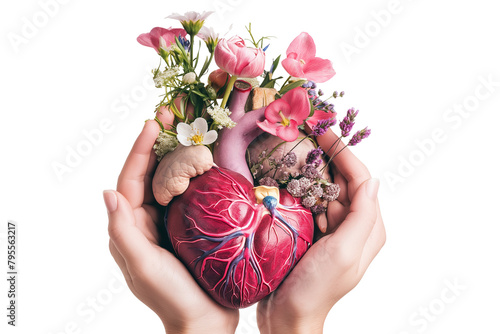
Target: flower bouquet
x=245, y=221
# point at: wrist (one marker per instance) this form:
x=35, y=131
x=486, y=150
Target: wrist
x=179, y=327
x=289, y=324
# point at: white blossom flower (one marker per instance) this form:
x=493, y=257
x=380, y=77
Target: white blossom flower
x=208, y=34
x=195, y=133
x=191, y=21
x=162, y=78
x=189, y=78
x=164, y=143
x=210, y=37
x=221, y=117
x=190, y=16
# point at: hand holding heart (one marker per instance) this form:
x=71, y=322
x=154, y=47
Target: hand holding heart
x=153, y=274
x=335, y=264
x=331, y=268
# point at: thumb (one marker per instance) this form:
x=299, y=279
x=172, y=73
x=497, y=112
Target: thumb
x=127, y=237
x=357, y=226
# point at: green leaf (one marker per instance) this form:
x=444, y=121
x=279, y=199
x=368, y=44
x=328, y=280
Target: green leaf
x=159, y=123
x=197, y=93
x=291, y=86
x=276, y=63
x=312, y=109
x=180, y=47
x=266, y=81
x=197, y=56
x=270, y=83
x=183, y=105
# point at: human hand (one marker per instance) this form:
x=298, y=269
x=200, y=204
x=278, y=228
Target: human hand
x=153, y=274
x=334, y=265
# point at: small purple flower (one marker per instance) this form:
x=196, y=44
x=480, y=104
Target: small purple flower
x=184, y=42
x=295, y=189
x=290, y=159
x=309, y=171
x=318, y=209
x=316, y=190
x=308, y=201
x=314, y=157
x=307, y=84
x=359, y=136
x=267, y=181
x=331, y=192
x=305, y=183
x=322, y=126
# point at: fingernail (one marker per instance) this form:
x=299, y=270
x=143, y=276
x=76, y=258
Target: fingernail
x=323, y=228
x=372, y=188
x=110, y=200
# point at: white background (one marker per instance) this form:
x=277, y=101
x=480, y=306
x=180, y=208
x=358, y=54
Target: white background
x=439, y=204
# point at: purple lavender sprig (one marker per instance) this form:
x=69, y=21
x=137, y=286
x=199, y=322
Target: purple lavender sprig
x=346, y=126
x=314, y=157
x=348, y=122
x=322, y=126
x=314, y=97
x=359, y=136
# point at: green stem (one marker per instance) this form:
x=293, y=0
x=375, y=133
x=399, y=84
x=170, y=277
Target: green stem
x=229, y=88
x=159, y=123
x=333, y=153
x=286, y=81
x=170, y=133
x=298, y=144
x=205, y=67
x=276, y=169
x=191, y=37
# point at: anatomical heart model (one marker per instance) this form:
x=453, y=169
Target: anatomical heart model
x=246, y=220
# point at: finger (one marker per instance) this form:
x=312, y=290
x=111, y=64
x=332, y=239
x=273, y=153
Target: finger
x=375, y=242
x=358, y=225
x=354, y=171
x=126, y=236
x=148, y=179
x=336, y=213
x=166, y=117
x=131, y=182
x=321, y=221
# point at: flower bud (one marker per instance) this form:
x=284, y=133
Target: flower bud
x=189, y=78
x=212, y=94
x=218, y=79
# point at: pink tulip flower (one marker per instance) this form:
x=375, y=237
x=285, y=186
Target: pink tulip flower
x=232, y=56
x=301, y=60
x=160, y=38
x=283, y=116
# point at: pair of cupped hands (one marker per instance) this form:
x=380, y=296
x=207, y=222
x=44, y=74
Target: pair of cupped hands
x=353, y=233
